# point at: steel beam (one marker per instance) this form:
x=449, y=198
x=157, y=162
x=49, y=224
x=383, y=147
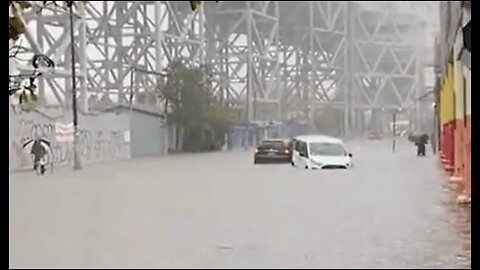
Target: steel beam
x=268, y=57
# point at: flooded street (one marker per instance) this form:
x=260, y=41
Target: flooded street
x=219, y=210
x=167, y=113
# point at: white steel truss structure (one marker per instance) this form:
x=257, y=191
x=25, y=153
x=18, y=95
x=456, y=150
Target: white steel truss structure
x=243, y=49
x=314, y=46
x=272, y=59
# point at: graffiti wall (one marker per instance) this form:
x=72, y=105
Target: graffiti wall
x=102, y=137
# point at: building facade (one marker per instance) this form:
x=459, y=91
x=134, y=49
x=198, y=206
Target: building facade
x=454, y=94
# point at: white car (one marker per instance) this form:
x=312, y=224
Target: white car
x=320, y=152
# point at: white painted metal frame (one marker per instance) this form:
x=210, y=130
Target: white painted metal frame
x=386, y=61
x=247, y=74
x=291, y=59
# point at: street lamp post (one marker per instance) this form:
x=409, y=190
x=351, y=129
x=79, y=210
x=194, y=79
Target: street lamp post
x=76, y=157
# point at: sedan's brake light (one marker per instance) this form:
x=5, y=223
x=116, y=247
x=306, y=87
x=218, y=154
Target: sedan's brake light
x=287, y=151
x=256, y=150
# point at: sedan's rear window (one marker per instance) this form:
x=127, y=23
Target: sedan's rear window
x=272, y=144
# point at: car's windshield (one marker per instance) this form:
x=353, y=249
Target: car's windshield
x=327, y=149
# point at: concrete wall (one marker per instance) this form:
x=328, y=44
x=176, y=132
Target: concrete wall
x=149, y=136
x=102, y=137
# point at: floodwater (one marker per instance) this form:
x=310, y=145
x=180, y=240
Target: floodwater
x=217, y=210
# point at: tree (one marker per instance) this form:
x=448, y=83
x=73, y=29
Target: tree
x=16, y=27
x=195, y=4
x=200, y=120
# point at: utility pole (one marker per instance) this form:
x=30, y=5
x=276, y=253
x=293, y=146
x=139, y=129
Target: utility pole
x=76, y=157
x=395, y=112
x=394, y=130
x=349, y=63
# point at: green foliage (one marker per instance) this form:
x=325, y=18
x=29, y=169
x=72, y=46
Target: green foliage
x=27, y=99
x=195, y=4
x=15, y=26
x=200, y=119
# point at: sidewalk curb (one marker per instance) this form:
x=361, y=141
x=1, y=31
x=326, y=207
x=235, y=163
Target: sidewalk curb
x=448, y=172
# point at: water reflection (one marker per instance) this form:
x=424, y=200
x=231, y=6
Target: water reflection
x=460, y=220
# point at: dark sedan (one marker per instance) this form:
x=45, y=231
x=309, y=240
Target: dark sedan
x=274, y=151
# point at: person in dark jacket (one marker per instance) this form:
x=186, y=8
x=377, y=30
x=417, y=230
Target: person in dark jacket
x=421, y=141
x=38, y=151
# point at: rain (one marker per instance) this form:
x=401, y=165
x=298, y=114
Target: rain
x=239, y=134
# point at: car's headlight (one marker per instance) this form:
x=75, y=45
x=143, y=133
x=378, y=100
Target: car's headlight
x=317, y=163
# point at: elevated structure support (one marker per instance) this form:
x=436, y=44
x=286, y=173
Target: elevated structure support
x=270, y=60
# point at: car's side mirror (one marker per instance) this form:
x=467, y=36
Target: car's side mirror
x=350, y=155
x=303, y=154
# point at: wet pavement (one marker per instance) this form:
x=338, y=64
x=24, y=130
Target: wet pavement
x=217, y=210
